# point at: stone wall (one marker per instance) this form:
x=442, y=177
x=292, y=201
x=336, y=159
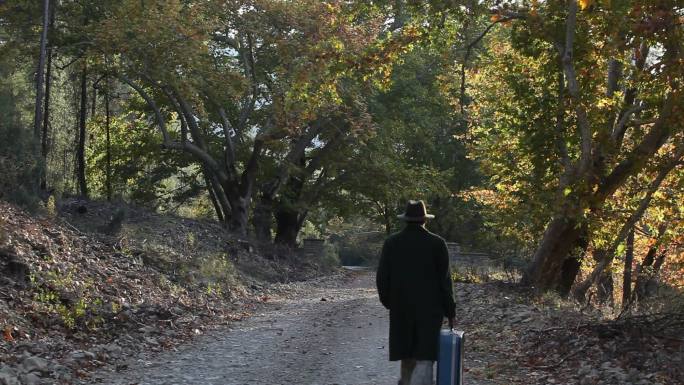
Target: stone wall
x=312, y=247
x=458, y=257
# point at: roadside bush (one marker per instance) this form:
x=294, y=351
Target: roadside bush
x=466, y=275
x=360, y=250
x=329, y=258
x=217, y=273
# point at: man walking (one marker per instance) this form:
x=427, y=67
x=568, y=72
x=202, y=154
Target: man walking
x=414, y=283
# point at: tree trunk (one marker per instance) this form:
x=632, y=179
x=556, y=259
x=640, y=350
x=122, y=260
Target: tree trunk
x=654, y=279
x=263, y=218
x=288, y=225
x=569, y=270
x=288, y=220
x=387, y=217
x=211, y=189
x=40, y=73
x=562, y=235
x=627, y=271
x=646, y=270
x=80, y=149
x=93, y=102
x=108, y=171
x=46, y=108
x=571, y=265
x=239, y=215
x=604, y=286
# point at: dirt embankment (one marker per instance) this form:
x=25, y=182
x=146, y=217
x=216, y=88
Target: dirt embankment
x=97, y=282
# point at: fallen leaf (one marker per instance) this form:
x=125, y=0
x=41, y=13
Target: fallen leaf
x=7, y=334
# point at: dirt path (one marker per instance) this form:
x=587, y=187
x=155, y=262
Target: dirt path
x=300, y=339
x=304, y=340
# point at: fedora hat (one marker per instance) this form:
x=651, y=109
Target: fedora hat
x=415, y=212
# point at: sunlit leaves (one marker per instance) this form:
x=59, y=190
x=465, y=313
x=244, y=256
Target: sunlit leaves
x=584, y=4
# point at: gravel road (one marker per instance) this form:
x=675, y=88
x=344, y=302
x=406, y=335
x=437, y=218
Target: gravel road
x=331, y=333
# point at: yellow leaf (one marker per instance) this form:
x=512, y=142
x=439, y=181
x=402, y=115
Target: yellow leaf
x=584, y=4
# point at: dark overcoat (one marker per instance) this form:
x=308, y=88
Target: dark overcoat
x=414, y=283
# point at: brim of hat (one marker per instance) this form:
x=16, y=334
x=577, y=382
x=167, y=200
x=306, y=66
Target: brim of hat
x=407, y=218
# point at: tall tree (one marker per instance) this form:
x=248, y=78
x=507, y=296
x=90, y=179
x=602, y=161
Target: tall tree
x=245, y=72
x=81, y=133
x=583, y=131
x=40, y=76
x=46, y=108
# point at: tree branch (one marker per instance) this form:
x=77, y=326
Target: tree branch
x=230, y=146
x=634, y=161
x=622, y=124
x=189, y=147
x=606, y=256
x=329, y=147
x=630, y=97
x=574, y=91
x=249, y=174
x=469, y=49
x=152, y=104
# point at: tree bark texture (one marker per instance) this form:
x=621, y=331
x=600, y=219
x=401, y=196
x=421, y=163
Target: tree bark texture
x=571, y=265
x=562, y=235
x=627, y=270
x=263, y=217
x=289, y=218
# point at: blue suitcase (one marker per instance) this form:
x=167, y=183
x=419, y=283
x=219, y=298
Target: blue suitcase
x=450, y=363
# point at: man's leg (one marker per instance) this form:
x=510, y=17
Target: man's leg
x=422, y=374
x=407, y=366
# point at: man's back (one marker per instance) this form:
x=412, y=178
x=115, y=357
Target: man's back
x=413, y=263
x=414, y=282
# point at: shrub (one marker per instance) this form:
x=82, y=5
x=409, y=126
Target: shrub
x=360, y=250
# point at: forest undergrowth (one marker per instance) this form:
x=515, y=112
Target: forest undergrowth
x=517, y=336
